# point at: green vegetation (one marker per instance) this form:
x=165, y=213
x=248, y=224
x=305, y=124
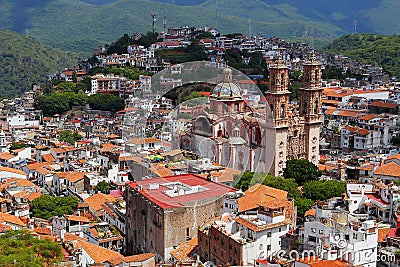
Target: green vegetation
x=106, y=102
x=303, y=205
x=236, y=59
x=75, y=25
x=371, y=49
x=60, y=102
x=331, y=72
x=47, y=206
x=312, y=189
x=102, y=186
x=323, y=190
x=192, y=52
x=20, y=145
x=69, y=136
x=20, y=248
x=24, y=62
x=121, y=45
x=301, y=171
x=130, y=73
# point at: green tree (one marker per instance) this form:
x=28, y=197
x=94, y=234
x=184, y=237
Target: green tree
x=303, y=205
x=20, y=248
x=102, y=186
x=47, y=206
x=247, y=179
x=69, y=136
x=106, y=102
x=288, y=185
x=323, y=190
x=301, y=170
x=60, y=102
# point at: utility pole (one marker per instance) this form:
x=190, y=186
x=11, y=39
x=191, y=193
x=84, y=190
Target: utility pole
x=153, y=15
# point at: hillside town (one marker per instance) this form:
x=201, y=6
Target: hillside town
x=162, y=182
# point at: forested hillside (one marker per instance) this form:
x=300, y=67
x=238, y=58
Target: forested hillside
x=24, y=61
x=370, y=48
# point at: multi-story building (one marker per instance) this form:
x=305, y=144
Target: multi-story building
x=342, y=236
x=254, y=233
x=164, y=212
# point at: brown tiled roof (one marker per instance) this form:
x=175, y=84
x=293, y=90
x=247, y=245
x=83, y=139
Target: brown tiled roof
x=368, y=117
x=183, y=252
x=6, y=155
x=35, y=166
x=77, y=218
x=42, y=230
x=259, y=195
x=97, y=253
x=32, y=196
x=311, y=212
x=144, y=140
x=48, y=158
x=382, y=234
x=389, y=169
x=96, y=201
x=8, y=169
x=8, y=218
x=73, y=177
x=139, y=257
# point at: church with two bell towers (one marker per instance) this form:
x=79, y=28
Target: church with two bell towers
x=228, y=132
x=295, y=130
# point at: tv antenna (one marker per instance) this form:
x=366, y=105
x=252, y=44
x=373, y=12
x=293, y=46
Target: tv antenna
x=354, y=26
x=249, y=28
x=310, y=33
x=153, y=15
x=216, y=13
x=165, y=20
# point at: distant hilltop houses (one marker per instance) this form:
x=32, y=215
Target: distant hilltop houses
x=164, y=180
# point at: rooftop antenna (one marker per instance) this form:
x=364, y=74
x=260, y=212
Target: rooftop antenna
x=354, y=26
x=153, y=15
x=249, y=28
x=216, y=13
x=312, y=37
x=165, y=20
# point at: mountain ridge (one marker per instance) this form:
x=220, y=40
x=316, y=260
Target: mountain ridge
x=84, y=24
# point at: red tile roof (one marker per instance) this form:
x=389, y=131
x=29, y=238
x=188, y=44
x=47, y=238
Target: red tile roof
x=159, y=197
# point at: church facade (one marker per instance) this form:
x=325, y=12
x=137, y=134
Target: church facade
x=233, y=133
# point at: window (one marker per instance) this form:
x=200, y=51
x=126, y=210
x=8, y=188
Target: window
x=312, y=239
x=269, y=234
x=321, y=232
x=187, y=232
x=269, y=247
x=226, y=205
x=313, y=230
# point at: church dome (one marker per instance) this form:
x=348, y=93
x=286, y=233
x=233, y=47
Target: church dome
x=227, y=89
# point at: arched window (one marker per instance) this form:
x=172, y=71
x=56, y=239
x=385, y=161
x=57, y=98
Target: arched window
x=272, y=109
x=283, y=79
x=316, y=76
x=305, y=107
x=316, y=107
x=282, y=111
